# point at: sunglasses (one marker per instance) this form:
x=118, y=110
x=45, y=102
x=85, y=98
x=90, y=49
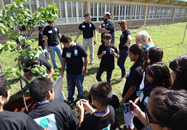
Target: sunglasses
x=149, y=119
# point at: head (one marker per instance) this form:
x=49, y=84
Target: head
x=66, y=41
x=158, y=75
x=41, y=89
x=123, y=25
x=50, y=23
x=154, y=54
x=107, y=38
x=101, y=94
x=107, y=16
x=137, y=53
x=143, y=38
x=87, y=17
x=4, y=93
x=179, y=72
x=167, y=109
x=41, y=28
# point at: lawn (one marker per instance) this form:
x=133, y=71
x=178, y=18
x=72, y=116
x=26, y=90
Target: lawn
x=168, y=37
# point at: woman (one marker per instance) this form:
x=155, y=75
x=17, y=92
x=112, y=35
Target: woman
x=124, y=44
x=166, y=110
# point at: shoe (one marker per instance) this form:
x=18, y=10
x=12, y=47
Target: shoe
x=92, y=64
x=120, y=79
x=70, y=103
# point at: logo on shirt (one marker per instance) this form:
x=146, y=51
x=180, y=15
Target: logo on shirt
x=107, y=128
x=90, y=25
x=83, y=26
x=48, y=122
x=50, y=31
x=56, y=29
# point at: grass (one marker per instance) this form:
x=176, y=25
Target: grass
x=168, y=37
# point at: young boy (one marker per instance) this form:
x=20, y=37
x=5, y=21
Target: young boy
x=106, y=53
x=13, y=120
x=41, y=40
x=48, y=114
x=72, y=55
x=104, y=116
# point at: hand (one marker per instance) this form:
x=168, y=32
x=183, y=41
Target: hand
x=85, y=71
x=80, y=106
x=136, y=109
x=95, y=41
x=112, y=50
x=104, y=52
x=48, y=50
x=85, y=104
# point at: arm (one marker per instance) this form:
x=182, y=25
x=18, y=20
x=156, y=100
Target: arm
x=85, y=65
x=78, y=34
x=95, y=37
x=51, y=73
x=103, y=30
x=129, y=39
x=87, y=106
x=129, y=93
x=80, y=108
x=59, y=36
x=101, y=55
x=136, y=100
x=114, y=53
x=46, y=43
x=63, y=64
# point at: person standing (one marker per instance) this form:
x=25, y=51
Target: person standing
x=51, y=36
x=73, y=55
x=89, y=30
x=124, y=44
x=107, y=27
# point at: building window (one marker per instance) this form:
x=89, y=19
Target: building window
x=137, y=12
x=151, y=12
x=177, y=12
x=182, y=12
x=169, y=12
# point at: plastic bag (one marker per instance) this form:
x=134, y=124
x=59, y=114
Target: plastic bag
x=59, y=94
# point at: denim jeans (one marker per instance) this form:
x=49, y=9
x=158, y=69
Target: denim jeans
x=52, y=53
x=121, y=61
x=72, y=80
x=100, y=72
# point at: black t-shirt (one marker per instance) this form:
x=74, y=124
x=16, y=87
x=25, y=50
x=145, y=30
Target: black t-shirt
x=41, y=40
x=52, y=34
x=123, y=40
x=108, y=26
x=87, y=29
x=107, y=61
x=64, y=116
x=93, y=122
x=17, y=121
x=43, y=61
x=134, y=78
x=74, y=60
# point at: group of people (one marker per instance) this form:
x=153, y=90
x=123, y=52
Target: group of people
x=157, y=99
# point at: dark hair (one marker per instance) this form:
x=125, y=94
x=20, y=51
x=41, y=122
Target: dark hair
x=108, y=15
x=160, y=72
x=65, y=38
x=3, y=87
x=87, y=14
x=123, y=24
x=22, y=28
x=155, y=54
x=138, y=50
x=107, y=36
x=39, y=88
x=101, y=92
x=169, y=108
x=49, y=21
x=40, y=28
x=179, y=66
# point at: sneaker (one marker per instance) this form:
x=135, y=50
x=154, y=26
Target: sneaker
x=70, y=103
x=120, y=79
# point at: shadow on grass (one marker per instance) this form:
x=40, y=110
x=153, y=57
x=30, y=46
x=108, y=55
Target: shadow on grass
x=92, y=70
x=114, y=81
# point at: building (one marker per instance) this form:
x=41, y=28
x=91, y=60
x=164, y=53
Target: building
x=135, y=12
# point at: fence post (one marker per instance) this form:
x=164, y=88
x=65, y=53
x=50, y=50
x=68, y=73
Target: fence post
x=88, y=7
x=145, y=14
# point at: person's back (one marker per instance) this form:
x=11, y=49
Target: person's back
x=104, y=116
x=55, y=115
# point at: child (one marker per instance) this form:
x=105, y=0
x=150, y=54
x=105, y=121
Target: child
x=41, y=40
x=13, y=120
x=144, y=38
x=156, y=75
x=106, y=53
x=134, y=79
x=73, y=55
x=48, y=114
x=103, y=117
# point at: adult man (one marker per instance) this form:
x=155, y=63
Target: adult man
x=51, y=36
x=107, y=27
x=88, y=29
x=73, y=55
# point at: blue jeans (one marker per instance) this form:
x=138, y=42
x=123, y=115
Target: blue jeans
x=52, y=53
x=72, y=80
x=121, y=61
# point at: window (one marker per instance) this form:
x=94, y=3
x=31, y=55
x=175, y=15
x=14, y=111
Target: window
x=183, y=12
x=177, y=12
x=169, y=12
x=151, y=12
x=137, y=12
x=161, y=12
